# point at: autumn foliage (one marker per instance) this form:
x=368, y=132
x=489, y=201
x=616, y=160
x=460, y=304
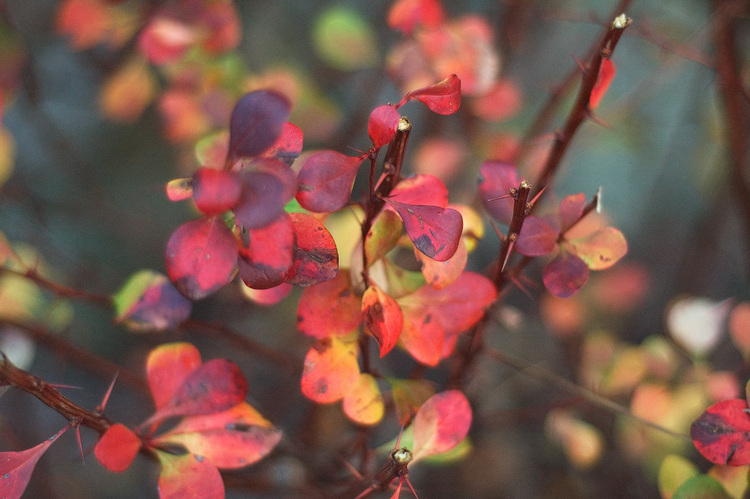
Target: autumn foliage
x=400, y=277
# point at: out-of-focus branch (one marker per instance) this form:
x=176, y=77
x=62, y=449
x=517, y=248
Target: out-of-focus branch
x=736, y=107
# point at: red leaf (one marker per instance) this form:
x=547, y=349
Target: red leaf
x=422, y=336
x=329, y=308
x=117, y=448
x=167, y=367
x=16, y=467
x=496, y=179
x=288, y=146
x=189, y=477
x=382, y=125
x=316, y=259
x=571, y=210
x=406, y=14
x=230, y=439
x=264, y=263
x=421, y=190
x=201, y=257
x=331, y=370
x=215, y=191
x=605, y=77
x=442, y=98
x=326, y=179
x=179, y=189
x=256, y=123
x=565, y=274
x=441, y=423
x=721, y=433
x=383, y=318
x=537, y=237
x=216, y=385
x=434, y=231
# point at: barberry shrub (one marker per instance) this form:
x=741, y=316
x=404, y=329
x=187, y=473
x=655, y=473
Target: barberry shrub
x=391, y=254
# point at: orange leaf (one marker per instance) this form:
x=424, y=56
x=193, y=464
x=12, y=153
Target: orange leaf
x=167, y=368
x=117, y=448
x=441, y=274
x=441, y=423
x=605, y=77
x=330, y=370
x=189, y=477
x=127, y=92
x=383, y=318
x=364, y=404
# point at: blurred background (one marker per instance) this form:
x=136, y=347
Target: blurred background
x=95, y=123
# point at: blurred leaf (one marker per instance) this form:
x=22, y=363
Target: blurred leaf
x=408, y=396
x=673, y=472
x=288, y=146
x=85, y=22
x=179, y=189
x=537, y=237
x=7, y=154
x=600, y=249
x=149, y=301
x=603, y=79
x=496, y=179
x=405, y=15
x=344, y=39
x=697, y=324
x=700, y=487
x=127, y=91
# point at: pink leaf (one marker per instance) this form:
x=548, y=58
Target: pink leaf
x=565, y=274
x=421, y=189
x=16, y=467
x=167, y=367
x=326, y=179
x=382, y=125
x=441, y=423
x=201, y=257
x=434, y=231
x=571, y=210
x=216, y=385
x=288, y=146
x=264, y=263
x=496, y=179
x=537, y=237
x=442, y=98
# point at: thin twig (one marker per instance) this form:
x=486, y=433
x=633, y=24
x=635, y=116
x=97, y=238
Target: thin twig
x=557, y=381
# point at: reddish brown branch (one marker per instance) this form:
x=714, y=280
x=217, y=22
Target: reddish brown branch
x=736, y=107
x=18, y=378
x=60, y=290
x=581, y=109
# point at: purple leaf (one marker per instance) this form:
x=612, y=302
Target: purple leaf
x=256, y=123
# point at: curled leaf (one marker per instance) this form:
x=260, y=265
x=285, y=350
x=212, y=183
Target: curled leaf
x=441, y=98
x=382, y=317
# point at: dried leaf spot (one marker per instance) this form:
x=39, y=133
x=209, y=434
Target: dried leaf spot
x=321, y=386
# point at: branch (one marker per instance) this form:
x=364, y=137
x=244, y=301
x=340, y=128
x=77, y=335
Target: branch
x=581, y=109
x=60, y=290
x=18, y=378
x=736, y=107
x=570, y=387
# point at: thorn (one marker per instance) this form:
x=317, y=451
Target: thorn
x=100, y=408
x=536, y=198
x=80, y=443
x=500, y=235
x=580, y=64
x=411, y=487
x=599, y=121
x=57, y=386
